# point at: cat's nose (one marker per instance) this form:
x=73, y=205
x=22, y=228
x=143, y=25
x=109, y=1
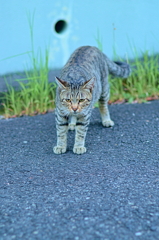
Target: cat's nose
x=74, y=108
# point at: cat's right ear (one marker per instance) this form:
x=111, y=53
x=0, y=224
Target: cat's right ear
x=61, y=84
x=89, y=84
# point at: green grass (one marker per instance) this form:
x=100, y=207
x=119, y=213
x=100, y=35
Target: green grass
x=143, y=83
x=98, y=40
x=37, y=95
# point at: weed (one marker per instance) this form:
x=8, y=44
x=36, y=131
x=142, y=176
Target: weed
x=98, y=39
x=143, y=83
x=36, y=95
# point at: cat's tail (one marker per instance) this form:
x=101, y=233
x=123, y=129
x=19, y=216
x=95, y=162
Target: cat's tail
x=119, y=69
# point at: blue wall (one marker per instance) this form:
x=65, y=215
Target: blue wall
x=123, y=25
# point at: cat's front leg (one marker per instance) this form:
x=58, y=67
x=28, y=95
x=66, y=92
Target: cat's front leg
x=62, y=129
x=72, y=123
x=80, y=135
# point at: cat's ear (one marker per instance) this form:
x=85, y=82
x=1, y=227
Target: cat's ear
x=62, y=84
x=89, y=84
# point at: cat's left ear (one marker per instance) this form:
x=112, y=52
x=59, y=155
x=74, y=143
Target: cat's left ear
x=89, y=84
x=61, y=83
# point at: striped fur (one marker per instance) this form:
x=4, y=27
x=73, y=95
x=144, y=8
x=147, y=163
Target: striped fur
x=83, y=82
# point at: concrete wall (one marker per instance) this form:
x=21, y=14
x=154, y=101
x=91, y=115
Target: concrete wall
x=122, y=24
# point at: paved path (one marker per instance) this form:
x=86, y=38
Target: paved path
x=111, y=192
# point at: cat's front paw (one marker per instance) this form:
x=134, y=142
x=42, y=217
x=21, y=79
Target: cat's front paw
x=59, y=149
x=79, y=150
x=108, y=123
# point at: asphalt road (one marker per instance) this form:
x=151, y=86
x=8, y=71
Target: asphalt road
x=111, y=192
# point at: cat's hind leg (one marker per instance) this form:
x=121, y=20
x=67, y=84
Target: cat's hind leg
x=104, y=111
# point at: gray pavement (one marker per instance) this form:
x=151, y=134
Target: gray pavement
x=111, y=192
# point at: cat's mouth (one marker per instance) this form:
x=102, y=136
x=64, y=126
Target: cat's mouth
x=75, y=111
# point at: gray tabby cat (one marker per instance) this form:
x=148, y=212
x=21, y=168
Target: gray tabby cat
x=83, y=82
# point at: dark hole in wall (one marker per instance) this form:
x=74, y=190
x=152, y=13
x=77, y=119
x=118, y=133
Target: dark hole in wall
x=60, y=26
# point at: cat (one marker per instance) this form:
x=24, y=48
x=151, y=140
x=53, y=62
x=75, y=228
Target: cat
x=83, y=82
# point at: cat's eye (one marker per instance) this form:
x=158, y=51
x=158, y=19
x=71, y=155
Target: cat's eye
x=68, y=100
x=81, y=100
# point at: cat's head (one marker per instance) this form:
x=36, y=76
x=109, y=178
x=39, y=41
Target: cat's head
x=75, y=99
